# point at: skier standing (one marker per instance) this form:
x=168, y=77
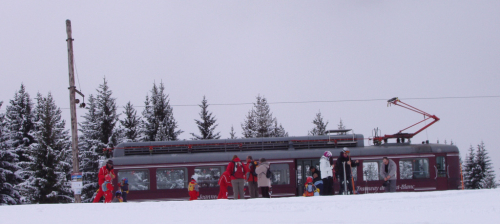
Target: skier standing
x=237, y=171
x=105, y=170
x=193, y=188
x=252, y=178
x=124, y=189
x=224, y=182
x=343, y=166
x=264, y=182
x=107, y=189
x=326, y=173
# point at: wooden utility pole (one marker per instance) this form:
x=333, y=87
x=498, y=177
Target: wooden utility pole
x=72, y=106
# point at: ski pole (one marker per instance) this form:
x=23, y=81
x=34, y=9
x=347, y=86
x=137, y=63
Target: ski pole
x=345, y=184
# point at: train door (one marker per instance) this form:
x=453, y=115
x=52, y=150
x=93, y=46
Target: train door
x=441, y=173
x=303, y=171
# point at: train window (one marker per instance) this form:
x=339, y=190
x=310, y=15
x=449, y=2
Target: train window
x=138, y=180
x=171, y=178
x=355, y=173
x=413, y=168
x=209, y=176
x=281, y=174
x=441, y=166
x=370, y=170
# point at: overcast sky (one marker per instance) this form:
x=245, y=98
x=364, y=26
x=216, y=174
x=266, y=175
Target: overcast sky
x=287, y=51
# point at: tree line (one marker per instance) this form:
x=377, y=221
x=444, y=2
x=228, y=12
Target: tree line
x=35, y=146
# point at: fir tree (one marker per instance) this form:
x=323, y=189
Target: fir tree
x=161, y=135
x=207, y=124
x=483, y=161
x=249, y=126
x=320, y=125
x=260, y=122
x=90, y=146
x=51, y=156
x=106, y=111
x=158, y=113
x=278, y=130
x=130, y=125
x=20, y=121
x=471, y=180
x=9, y=195
x=264, y=118
x=232, y=134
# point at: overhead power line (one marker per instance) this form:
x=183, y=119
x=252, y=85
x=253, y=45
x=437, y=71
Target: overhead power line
x=331, y=101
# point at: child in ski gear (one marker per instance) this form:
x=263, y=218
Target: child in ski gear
x=309, y=188
x=388, y=173
x=343, y=166
x=224, y=182
x=237, y=171
x=118, y=197
x=318, y=182
x=107, y=189
x=105, y=170
x=193, y=188
x=124, y=189
x=252, y=178
x=326, y=173
x=264, y=183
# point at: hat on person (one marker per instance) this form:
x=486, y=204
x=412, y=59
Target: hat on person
x=309, y=180
x=327, y=154
x=345, y=150
x=110, y=162
x=195, y=177
x=118, y=193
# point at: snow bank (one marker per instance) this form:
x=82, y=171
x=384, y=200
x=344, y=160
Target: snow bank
x=471, y=206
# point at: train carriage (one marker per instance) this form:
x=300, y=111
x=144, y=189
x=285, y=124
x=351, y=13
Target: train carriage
x=161, y=170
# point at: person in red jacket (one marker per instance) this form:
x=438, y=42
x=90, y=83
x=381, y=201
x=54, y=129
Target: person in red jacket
x=107, y=188
x=105, y=170
x=237, y=170
x=224, y=182
x=252, y=177
x=193, y=188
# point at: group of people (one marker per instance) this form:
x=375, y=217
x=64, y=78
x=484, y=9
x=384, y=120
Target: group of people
x=254, y=173
x=257, y=175
x=321, y=183
x=106, y=176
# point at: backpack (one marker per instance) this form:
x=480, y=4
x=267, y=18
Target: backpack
x=253, y=165
x=309, y=190
x=105, y=186
x=235, y=168
x=269, y=174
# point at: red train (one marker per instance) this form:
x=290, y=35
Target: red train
x=161, y=170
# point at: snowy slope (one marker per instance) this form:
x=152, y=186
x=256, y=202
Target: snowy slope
x=478, y=206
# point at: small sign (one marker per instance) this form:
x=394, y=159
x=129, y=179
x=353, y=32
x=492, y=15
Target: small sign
x=77, y=183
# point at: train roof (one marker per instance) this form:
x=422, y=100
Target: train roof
x=284, y=148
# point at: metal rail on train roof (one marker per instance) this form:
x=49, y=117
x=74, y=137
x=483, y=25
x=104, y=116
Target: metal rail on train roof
x=260, y=144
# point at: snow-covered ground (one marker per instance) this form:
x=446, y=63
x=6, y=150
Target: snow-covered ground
x=471, y=206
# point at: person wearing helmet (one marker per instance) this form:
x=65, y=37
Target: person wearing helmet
x=326, y=173
x=107, y=189
x=118, y=197
x=309, y=188
x=344, y=161
x=193, y=188
x=124, y=189
x=105, y=170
